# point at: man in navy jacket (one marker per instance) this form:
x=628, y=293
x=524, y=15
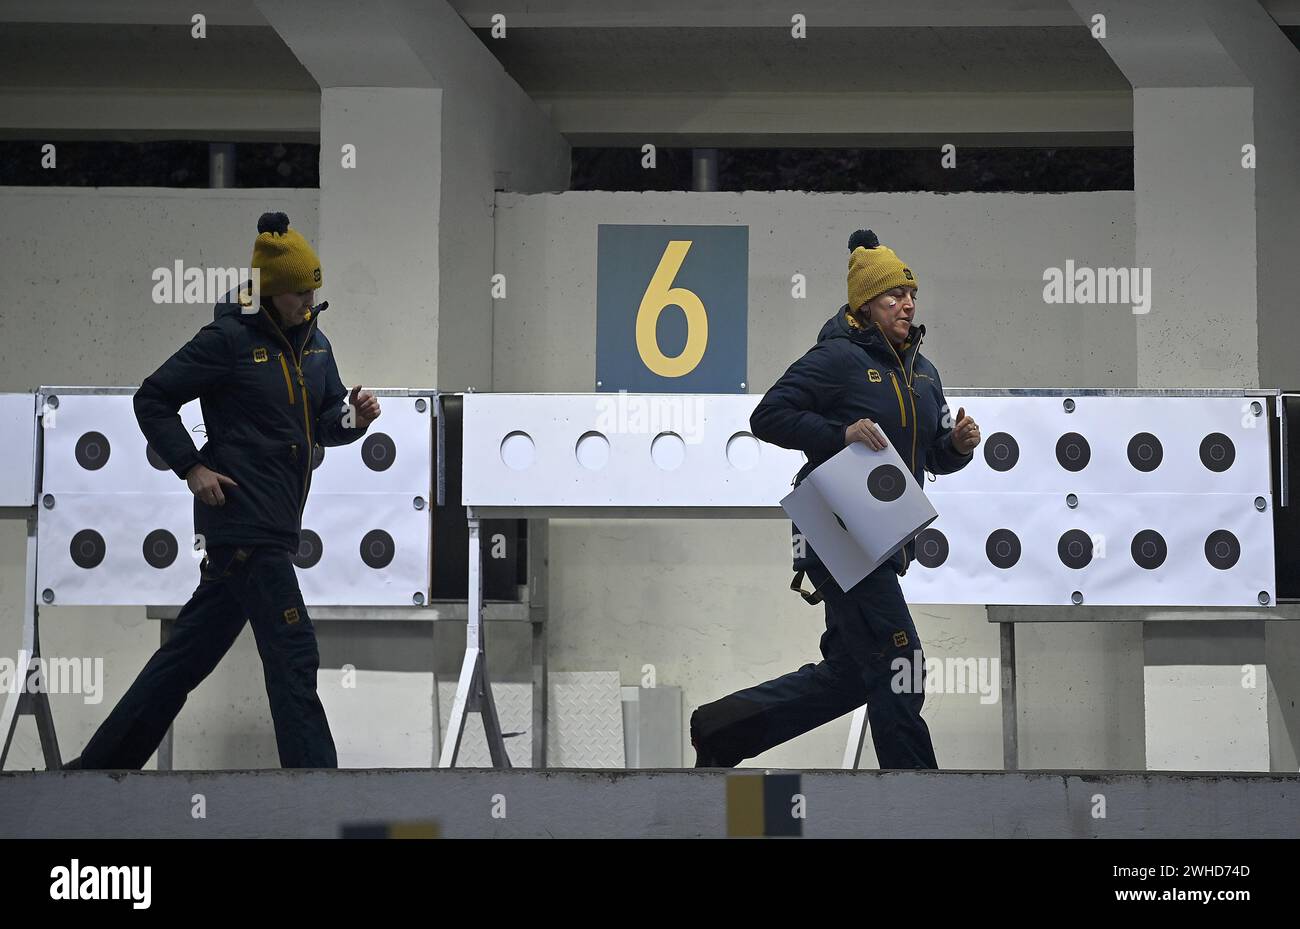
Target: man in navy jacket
x=270, y=392
x=864, y=380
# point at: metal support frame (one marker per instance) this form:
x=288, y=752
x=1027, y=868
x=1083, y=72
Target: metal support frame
x=474, y=690
x=21, y=700
x=538, y=569
x=1010, y=721
x=857, y=737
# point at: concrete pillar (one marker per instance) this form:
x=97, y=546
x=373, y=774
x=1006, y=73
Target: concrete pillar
x=1197, y=88
x=493, y=137
x=407, y=236
x=380, y=188
x=1272, y=63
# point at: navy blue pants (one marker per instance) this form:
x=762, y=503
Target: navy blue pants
x=868, y=630
x=254, y=584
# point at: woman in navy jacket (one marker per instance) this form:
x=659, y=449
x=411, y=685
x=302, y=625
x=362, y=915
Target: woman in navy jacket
x=864, y=380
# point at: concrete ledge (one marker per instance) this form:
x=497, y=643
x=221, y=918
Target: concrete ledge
x=667, y=803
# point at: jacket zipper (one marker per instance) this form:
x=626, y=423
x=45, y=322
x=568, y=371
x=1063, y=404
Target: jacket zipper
x=306, y=407
x=909, y=391
x=906, y=561
x=898, y=390
x=284, y=365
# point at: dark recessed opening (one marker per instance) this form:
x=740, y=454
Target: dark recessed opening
x=1028, y=170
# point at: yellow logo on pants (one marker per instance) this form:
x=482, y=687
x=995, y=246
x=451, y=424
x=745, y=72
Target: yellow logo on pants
x=900, y=639
x=291, y=615
x=259, y=354
x=873, y=375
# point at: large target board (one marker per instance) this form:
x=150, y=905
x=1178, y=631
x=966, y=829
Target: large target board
x=1105, y=500
x=116, y=526
x=1141, y=500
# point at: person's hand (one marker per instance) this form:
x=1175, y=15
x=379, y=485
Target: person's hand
x=965, y=434
x=205, y=484
x=366, y=405
x=864, y=430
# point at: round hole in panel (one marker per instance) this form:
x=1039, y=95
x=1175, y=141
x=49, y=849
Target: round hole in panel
x=668, y=451
x=592, y=451
x=518, y=451
x=742, y=451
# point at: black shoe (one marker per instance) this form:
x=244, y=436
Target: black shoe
x=73, y=765
x=702, y=757
x=705, y=756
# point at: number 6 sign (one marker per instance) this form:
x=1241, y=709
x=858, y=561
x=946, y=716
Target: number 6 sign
x=671, y=308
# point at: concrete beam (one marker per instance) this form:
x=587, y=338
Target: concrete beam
x=142, y=12
x=585, y=118
x=767, y=14
x=345, y=44
x=218, y=116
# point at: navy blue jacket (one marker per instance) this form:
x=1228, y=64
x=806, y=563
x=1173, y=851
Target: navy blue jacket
x=269, y=396
x=856, y=373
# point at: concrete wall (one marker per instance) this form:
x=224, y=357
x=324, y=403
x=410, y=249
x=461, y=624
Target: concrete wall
x=706, y=602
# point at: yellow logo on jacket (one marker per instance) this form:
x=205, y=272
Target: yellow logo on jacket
x=259, y=354
x=873, y=375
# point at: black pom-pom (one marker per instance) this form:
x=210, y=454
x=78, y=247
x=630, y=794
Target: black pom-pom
x=273, y=222
x=864, y=238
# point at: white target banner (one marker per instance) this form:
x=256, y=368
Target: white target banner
x=116, y=525
x=1105, y=550
x=1173, y=494
x=1110, y=444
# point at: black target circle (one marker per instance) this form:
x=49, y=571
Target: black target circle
x=87, y=548
x=1149, y=549
x=1074, y=548
x=377, y=549
x=1001, y=451
x=931, y=548
x=310, y=549
x=886, y=483
x=1145, y=452
x=92, y=450
x=1222, y=550
x=160, y=549
x=1073, y=451
x=379, y=452
x=1217, y=452
x=154, y=460
x=1002, y=548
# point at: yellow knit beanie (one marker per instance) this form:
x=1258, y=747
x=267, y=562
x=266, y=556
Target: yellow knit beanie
x=286, y=262
x=873, y=269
